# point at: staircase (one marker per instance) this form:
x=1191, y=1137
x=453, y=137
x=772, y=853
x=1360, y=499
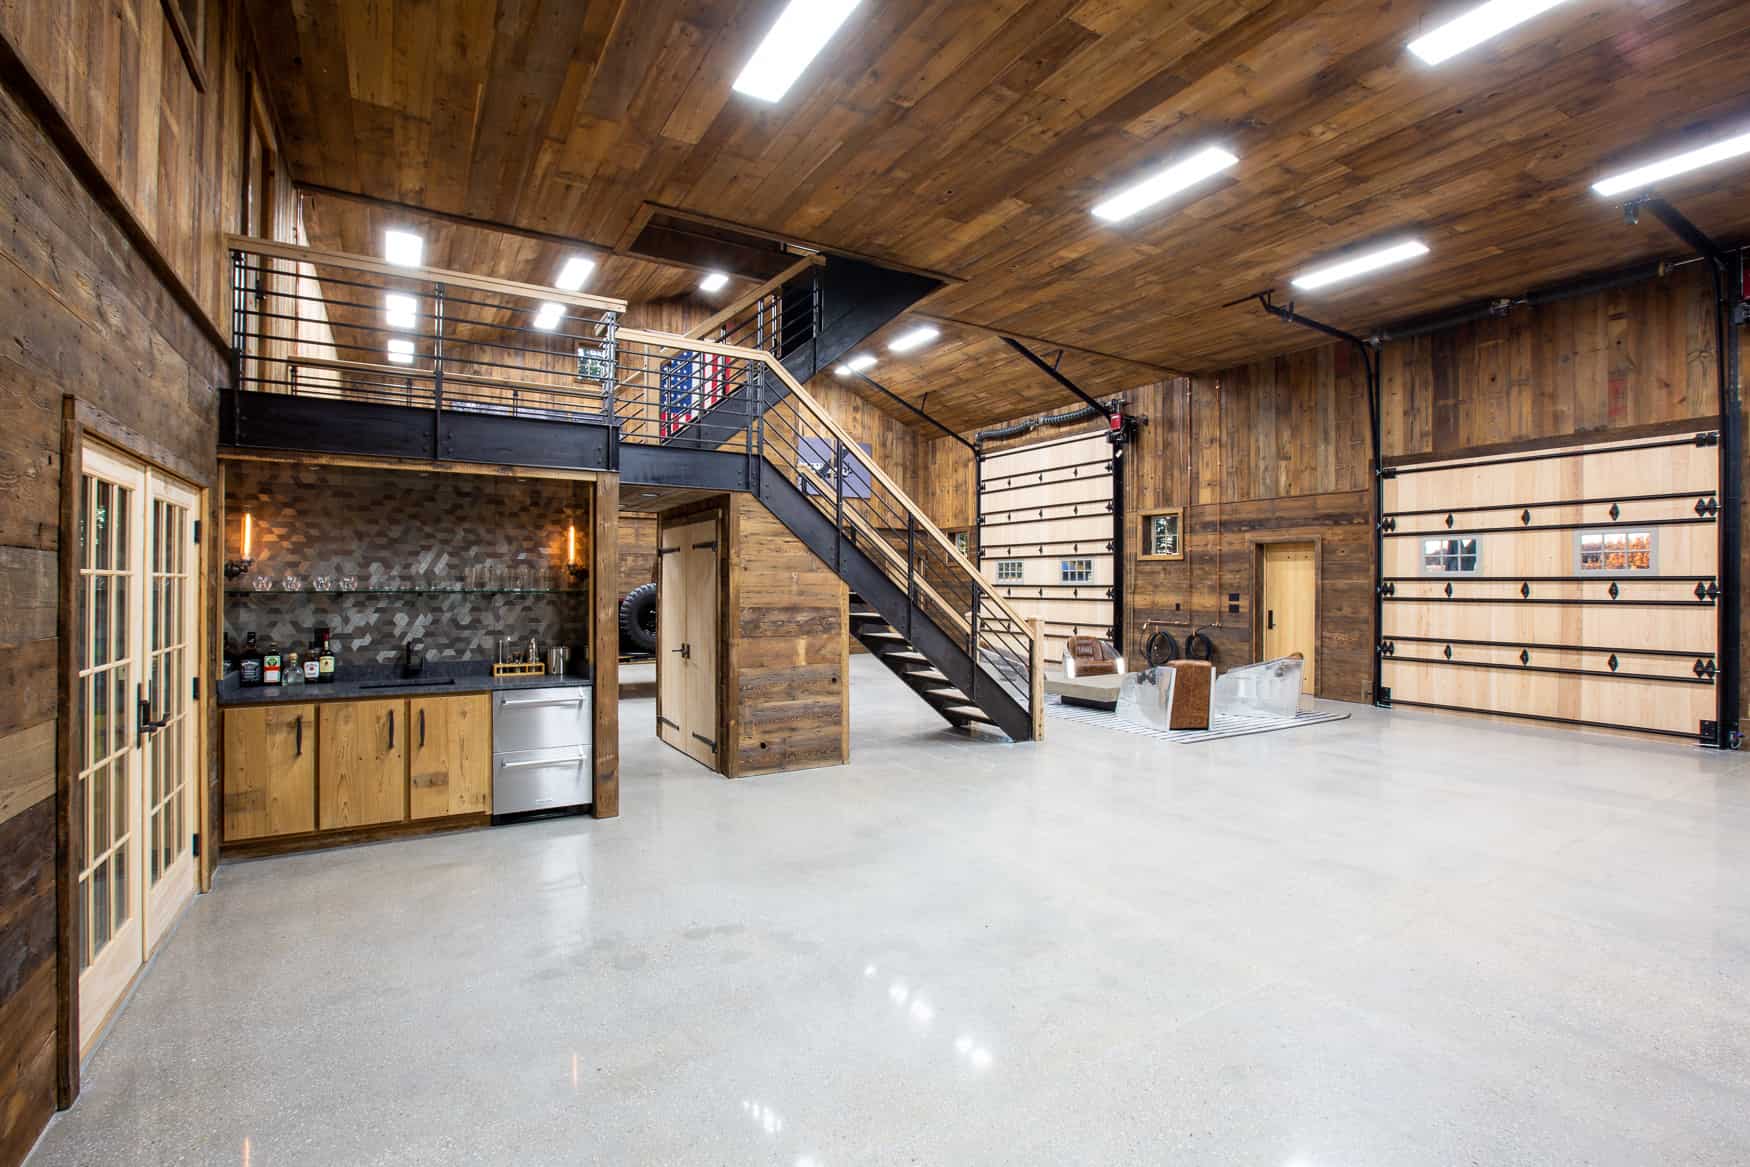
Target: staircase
x=721, y=409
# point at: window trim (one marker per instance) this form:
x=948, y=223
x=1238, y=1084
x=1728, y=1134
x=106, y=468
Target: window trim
x=1652, y=534
x=1436, y=537
x=192, y=42
x=1144, y=541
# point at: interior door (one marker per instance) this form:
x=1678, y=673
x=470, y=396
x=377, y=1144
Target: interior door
x=1290, y=605
x=169, y=752
x=137, y=610
x=686, y=632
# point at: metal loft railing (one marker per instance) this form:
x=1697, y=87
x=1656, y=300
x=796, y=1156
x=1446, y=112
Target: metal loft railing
x=667, y=382
x=325, y=324
x=780, y=316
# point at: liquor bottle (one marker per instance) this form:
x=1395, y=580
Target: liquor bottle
x=249, y=664
x=270, y=665
x=325, y=662
x=313, y=663
x=293, y=673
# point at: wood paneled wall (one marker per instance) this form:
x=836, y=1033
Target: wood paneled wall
x=115, y=173
x=896, y=447
x=788, y=704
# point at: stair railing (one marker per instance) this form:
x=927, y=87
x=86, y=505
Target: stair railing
x=667, y=383
x=777, y=317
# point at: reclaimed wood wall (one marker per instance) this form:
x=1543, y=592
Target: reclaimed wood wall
x=117, y=177
x=788, y=695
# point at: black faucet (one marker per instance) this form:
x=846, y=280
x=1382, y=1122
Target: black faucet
x=414, y=660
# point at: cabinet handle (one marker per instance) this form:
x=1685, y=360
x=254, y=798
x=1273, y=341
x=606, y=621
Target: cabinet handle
x=543, y=701
x=581, y=758
x=422, y=729
x=391, y=729
x=298, y=737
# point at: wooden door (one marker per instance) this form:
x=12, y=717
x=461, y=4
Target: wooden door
x=689, y=596
x=361, y=764
x=270, y=771
x=449, y=767
x=1290, y=605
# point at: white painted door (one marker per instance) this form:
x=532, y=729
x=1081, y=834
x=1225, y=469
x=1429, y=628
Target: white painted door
x=138, y=573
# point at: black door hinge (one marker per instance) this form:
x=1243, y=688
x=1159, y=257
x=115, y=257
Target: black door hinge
x=195, y=843
x=197, y=532
x=1382, y=697
x=197, y=688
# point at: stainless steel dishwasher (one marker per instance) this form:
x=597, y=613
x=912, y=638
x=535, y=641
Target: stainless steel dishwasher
x=541, y=749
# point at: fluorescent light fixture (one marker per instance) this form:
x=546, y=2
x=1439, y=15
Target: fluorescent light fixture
x=574, y=274
x=1643, y=177
x=403, y=248
x=855, y=365
x=1361, y=265
x=400, y=310
x=713, y=282
x=1164, y=183
x=549, y=316
x=400, y=352
x=796, y=37
x=1476, y=26
x=916, y=338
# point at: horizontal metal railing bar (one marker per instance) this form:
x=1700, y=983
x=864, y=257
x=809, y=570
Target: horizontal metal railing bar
x=253, y=246
x=1550, y=455
x=1395, y=701
x=1602, y=578
x=1600, y=524
x=1578, y=601
x=1541, y=647
x=1553, y=670
x=1663, y=496
x=449, y=301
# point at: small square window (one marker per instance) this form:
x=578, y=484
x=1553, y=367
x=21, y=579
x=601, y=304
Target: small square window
x=1162, y=535
x=1451, y=556
x=960, y=542
x=1077, y=570
x=1625, y=552
x=1008, y=571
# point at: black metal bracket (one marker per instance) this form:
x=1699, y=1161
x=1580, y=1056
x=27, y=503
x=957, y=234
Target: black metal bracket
x=1045, y=367
x=867, y=379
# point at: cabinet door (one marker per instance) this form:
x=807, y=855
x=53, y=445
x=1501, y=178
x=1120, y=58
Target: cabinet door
x=449, y=768
x=270, y=771
x=362, y=764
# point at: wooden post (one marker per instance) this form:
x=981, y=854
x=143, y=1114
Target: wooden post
x=1036, y=701
x=604, y=640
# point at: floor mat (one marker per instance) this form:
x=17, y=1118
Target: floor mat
x=1220, y=725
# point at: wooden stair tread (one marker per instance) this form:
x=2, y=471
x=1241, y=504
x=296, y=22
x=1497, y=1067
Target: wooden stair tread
x=926, y=674
x=969, y=712
x=906, y=655
x=949, y=694
x=888, y=635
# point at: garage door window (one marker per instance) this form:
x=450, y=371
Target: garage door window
x=1616, y=552
x=1078, y=570
x=1451, y=556
x=1008, y=571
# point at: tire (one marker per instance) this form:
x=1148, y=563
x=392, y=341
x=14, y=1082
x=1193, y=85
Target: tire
x=1160, y=649
x=638, y=618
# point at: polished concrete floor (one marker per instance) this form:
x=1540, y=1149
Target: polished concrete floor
x=1396, y=940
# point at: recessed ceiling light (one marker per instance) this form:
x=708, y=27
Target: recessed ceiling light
x=713, y=282
x=1642, y=177
x=574, y=274
x=400, y=310
x=1476, y=26
x=796, y=37
x=1362, y=264
x=856, y=365
x=403, y=248
x=1164, y=183
x=549, y=316
x=401, y=352
x=916, y=338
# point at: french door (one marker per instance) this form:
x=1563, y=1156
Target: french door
x=139, y=573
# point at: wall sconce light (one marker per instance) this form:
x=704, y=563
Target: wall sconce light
x=578, y=571
x=236, y=567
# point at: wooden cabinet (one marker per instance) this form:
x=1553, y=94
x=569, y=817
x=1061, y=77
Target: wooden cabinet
x=449, y=769
x=270, y=771
x=362, y=764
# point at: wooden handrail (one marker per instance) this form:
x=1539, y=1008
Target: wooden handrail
x=715, y=321
x=435, y=275
x=686, y=343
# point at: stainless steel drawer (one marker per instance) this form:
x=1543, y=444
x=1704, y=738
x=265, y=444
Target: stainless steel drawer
x=536, y=719
x=541, y=779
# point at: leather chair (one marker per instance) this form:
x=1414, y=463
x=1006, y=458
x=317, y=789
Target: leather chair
x=1089, y=656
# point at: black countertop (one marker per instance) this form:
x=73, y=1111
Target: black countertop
x=435, y=680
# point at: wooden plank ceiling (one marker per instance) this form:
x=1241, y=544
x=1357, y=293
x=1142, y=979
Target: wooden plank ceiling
x=972, y=138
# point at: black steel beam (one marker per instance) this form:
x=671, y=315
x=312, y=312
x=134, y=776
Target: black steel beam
x=916, y=410
x=1726, y=267
x=1039, y=363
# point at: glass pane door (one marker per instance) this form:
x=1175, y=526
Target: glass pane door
x=169, y=750
x=110, y=561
